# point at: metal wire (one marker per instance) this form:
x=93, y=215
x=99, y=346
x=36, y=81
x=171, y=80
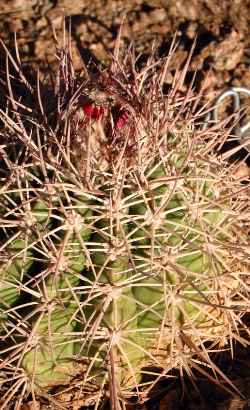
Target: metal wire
x=241, y=131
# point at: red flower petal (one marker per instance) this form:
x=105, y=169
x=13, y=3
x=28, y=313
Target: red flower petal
x=88, y=109
x=122, y=119
x=93, y=111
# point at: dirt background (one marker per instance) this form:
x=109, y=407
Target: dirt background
x=222, y=28
x=222, y=49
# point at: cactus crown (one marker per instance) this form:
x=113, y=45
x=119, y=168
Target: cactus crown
x=124, y=234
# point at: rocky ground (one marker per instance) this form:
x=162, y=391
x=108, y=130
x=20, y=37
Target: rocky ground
x=222, y=29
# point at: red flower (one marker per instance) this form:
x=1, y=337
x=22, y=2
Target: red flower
x=122, y=119
x=93, y=111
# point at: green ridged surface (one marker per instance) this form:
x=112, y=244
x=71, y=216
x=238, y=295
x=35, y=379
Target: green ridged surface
x=50, y=362
x=163, y=272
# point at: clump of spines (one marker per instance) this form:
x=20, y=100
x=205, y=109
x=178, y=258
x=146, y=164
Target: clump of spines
x=126, y=256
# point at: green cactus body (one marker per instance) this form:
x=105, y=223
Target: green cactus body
x=173, y=254
x=114, y=308
x=154, y=266
x=50, y=362
x=20, y=259
x=10, y=279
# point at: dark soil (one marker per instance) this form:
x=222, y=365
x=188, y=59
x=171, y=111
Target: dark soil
x=222, y=29
x=222, y=32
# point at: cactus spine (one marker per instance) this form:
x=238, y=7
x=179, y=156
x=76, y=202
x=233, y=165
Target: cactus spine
x=124, y=235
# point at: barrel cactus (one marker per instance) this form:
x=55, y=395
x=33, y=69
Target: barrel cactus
x=124, y=235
